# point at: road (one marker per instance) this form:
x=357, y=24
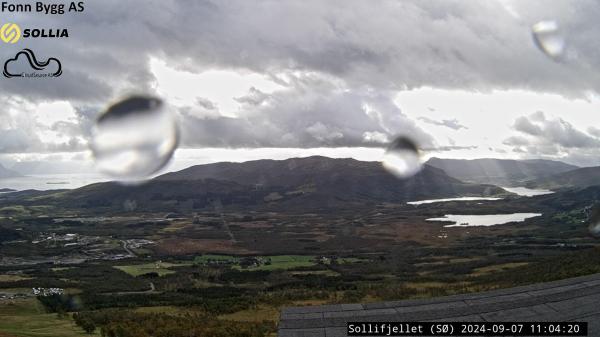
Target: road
x=129, y=251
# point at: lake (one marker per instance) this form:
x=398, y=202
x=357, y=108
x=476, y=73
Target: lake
x=520, y=191
x=484, y=220
x=431, y=201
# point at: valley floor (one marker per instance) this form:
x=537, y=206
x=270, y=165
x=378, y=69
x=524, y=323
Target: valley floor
x=156, y=274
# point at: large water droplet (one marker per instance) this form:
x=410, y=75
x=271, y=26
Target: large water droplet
x=402, y=158
x=134, y=138
x=549, y=38
x=594, y=220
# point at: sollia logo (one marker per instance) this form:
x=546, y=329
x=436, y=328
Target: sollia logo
x=10, y=33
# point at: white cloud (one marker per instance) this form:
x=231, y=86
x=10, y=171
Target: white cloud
x=318, y=74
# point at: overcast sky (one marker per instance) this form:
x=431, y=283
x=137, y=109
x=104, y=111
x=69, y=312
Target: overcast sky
x=274, y=79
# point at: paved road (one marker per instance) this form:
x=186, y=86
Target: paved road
x=126, y=247
x=575, y=299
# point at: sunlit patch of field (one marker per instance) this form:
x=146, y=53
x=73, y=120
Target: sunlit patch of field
x=13, y=278
x=175, y=227
x=465, y=259
x=161, y=268
x=16, y=210
x=61, y=269
x=259, y=314
x=498, y=267
x=16, y=290
x=285, y=262
x=206, y=258
x=27, y=318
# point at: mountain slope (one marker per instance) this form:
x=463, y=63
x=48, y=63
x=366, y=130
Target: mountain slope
x=583, y=177
x=7, y=234
x=504, y=172
x=312, y=182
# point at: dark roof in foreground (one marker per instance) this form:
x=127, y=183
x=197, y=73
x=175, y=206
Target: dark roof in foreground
x=576, y=299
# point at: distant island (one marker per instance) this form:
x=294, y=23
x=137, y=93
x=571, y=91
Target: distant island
x=6, y=190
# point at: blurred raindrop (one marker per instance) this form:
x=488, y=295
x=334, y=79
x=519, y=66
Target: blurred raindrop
x=594, y=219
x=402, y=158
x=75, y=303
x=549, y=38
x=134, y=138
x=129, y=205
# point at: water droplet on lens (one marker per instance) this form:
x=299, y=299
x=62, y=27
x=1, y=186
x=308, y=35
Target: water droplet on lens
x=594, y=220
x=129, y=205
x=134, y=138
x=549, y=38
x=402, y=158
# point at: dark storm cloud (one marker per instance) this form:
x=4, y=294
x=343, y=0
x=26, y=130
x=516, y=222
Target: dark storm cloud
x=384, y=46
x=451, y=44
x=453, y=124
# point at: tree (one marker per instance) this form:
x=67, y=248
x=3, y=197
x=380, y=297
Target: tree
x=88, y=326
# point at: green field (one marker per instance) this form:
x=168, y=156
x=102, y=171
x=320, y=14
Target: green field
x=283, y=262
x=276, y=262
x=204, y=259
x=27, y=317
x=161, y=268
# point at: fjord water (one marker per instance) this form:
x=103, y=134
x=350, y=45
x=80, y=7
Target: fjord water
x=51, y=181
x=431, y=201
x=484, y=220
x=520, y=191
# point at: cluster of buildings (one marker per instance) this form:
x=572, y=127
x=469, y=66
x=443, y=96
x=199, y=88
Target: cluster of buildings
x=11, y=296
x=47, y=291
x=254, y=262
x=138, y=243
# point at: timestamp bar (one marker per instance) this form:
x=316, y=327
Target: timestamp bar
x=467, y=329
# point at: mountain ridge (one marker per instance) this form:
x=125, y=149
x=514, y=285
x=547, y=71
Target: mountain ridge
x=502, y=172
x=298, y=182
x=578, y=178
